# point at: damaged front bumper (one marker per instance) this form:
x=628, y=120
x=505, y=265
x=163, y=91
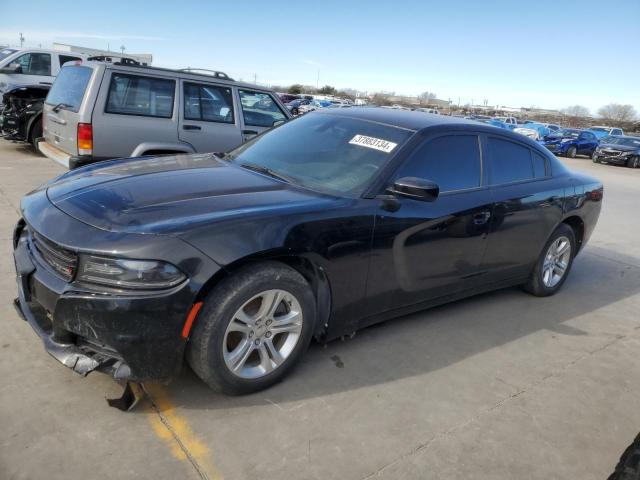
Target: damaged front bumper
x=134, y=338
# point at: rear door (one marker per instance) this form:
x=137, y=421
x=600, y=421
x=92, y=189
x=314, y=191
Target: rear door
x=260, y=112
x=208, y=117
x=64, y=106
x=587, y=143
x=527, y=206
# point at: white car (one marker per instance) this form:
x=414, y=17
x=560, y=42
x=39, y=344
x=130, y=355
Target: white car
x=20, y=67
x=313, y=105
x=528, y=132
x=433, y=111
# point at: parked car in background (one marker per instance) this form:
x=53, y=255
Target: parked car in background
x=288, y=97
x=330, y=223
x=21, y=117
x=602, y=131
x=619, y=150
x=22, y=66
x=511, y=122
x=98, y=110
x=494, y=122
x=313, y=105
x=571, y=142
x=432, y=111
x=553, y=127
x=535, y=131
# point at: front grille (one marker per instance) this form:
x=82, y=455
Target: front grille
x=611, y=153
x=64, y=262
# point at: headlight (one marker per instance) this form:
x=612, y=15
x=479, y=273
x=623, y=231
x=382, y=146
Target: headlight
x=629, y=154
x=121, y=273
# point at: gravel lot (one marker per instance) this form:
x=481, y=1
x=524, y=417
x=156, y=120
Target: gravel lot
x=503, y=385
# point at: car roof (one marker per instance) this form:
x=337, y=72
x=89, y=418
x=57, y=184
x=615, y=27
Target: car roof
x=160, y=71
x=407, y=119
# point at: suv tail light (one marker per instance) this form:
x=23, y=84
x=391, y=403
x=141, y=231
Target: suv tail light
x=85, y=139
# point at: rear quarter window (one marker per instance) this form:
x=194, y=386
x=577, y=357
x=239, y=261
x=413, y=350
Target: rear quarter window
x=69, y=87
x=509, y=161
x=138, y=95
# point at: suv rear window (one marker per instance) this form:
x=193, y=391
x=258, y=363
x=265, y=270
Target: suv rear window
x=69, y=87
x=145, y=96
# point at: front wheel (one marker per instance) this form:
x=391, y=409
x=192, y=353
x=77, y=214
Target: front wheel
x=553, y=265
x=571, y=153
x=594, y=157
x=36, y=132
x=253, y=328
x=633, y=162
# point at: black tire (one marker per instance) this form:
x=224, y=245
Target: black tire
x=205, y=350
x=633, y=162
x=36, y=132
x=594, y=157
x=572, y=152
x=295, y=111
x=535, y=285
x=628, y=468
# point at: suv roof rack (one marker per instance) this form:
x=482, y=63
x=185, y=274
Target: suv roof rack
x=122, y=60
x=205, y=71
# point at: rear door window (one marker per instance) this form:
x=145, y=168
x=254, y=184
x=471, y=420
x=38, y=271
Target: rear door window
x=138, y=95
x=509, y=161
x=260, y=109
x=208, y=103
x=69, y=87
x=67, y=58
x=539, y=165
x=34, y=64
x=451, y=161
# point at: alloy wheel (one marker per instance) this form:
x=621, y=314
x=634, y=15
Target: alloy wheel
x=556, y=261
x=262, y=334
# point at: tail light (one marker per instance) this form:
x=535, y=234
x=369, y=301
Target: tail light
x=85, y=139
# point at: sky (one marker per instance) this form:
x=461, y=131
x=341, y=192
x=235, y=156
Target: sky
x=546, y=54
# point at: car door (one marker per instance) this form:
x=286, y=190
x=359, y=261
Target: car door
x=425, y=250
x=527, y=206
x=33, y=68
x=260, y=112
x=587, y=143
x=208, y=118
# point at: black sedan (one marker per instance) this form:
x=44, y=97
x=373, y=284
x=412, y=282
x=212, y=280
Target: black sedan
x=618, y=150
x=324, y=225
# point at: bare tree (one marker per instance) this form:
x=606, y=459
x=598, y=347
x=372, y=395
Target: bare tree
x=424, y=97
x=576, y=111
x=616, y=112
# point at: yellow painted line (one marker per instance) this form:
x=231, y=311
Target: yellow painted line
x=174, y=429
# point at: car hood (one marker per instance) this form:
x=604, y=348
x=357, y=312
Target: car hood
x=174, y=194
x=619, y=148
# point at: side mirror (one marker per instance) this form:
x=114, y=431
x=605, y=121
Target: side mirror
x=12, y=68
x=415, y=188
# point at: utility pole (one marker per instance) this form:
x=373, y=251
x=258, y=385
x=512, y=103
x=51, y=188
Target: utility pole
x=122, y=48
x=21, y=40
x=318, y=80
x=255, y=78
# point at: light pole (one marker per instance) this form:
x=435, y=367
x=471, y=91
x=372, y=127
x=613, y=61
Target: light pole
x=122, y=49
x=21, y=40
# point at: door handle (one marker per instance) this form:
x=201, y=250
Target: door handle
x=481, y=218
x=191, y=127
x=249, y=132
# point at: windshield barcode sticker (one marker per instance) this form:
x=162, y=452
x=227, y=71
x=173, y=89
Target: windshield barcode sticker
x=372, y=142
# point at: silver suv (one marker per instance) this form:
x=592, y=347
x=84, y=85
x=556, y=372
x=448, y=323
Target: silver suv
x=97, y=111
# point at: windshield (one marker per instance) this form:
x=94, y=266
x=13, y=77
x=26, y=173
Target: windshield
x=324, y=152
x=629, y=142
x=5, y=52
x=69, y=87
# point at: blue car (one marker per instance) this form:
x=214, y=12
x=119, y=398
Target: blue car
x=571, y=142
x=601, y=132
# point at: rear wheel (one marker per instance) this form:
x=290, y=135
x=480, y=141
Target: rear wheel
x=253, y=328
x=553, y=265
x=633, y=162
x=571, y=153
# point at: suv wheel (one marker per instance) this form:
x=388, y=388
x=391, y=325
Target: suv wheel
x=252, y=329
x=571, y=153
x=553, y=265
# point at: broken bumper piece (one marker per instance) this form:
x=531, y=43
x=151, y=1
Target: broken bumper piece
x=81, y=358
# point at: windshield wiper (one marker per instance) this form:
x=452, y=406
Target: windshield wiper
x=60, y=106
x=267, y=171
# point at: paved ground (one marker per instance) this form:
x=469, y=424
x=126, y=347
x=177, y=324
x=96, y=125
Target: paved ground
x=500, y=386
